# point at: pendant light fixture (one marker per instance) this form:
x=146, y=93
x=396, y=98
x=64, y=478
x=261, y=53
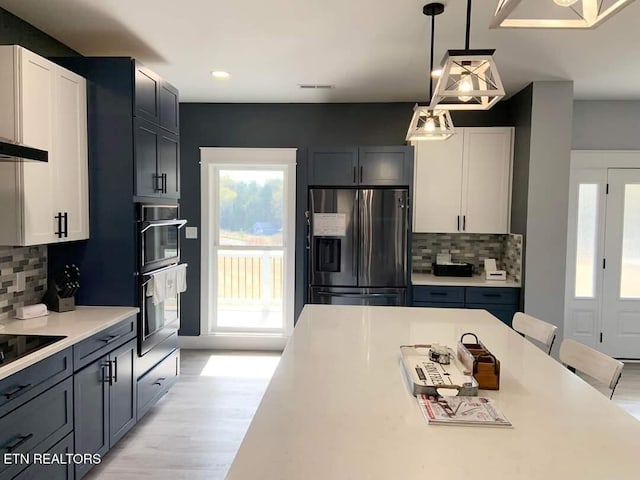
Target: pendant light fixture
x=469, y=79
x=574, y=14
x=430, y=123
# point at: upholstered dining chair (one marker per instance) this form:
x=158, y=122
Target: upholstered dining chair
x=587, y=360
x=533, y=327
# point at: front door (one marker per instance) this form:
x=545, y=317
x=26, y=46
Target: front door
x=621, y=283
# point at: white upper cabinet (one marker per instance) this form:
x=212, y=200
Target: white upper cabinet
x=464, y=184
x=43, y=202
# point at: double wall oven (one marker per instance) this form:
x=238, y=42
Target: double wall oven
x=159, y=251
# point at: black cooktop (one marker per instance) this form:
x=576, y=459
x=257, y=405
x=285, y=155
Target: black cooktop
x=13, y=347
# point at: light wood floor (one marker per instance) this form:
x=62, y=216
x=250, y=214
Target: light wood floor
x=195, y=431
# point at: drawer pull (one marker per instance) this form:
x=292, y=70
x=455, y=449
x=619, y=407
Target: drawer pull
x=22, y=439
x=439, y=294
x=491, y=295
x=13, y=393
x=110, y=339
x=159, y=381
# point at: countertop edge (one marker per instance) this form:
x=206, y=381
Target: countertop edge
x=428, y=279
x=121, y=313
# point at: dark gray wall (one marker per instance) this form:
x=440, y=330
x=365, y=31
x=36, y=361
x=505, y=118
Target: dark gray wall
x=606, y=125
x=14, y=31
x=277, y=126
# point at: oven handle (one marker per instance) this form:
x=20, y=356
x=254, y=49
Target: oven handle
x=162, y=223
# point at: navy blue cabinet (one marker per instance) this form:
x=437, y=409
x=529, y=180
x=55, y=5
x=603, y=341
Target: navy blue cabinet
x=133, y=129
x=36, y=426
x=502, y=302
x=364, y=166
x=157, y=161
x=104, y=402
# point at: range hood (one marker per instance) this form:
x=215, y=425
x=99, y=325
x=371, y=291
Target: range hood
x=10, y=152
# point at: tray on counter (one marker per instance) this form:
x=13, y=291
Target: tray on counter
x=427, y=377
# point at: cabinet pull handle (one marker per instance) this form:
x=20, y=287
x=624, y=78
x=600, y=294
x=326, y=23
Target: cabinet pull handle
x=109, y=339
x=361, y=169
x=58, y=217
x=22, y=439
x=164, y=183
x=12, y=393
x=157, y=177
x=458, y=227
x=439, y=294
x=159, y=381
x=464, y=223
x=66, y=224
x=491, y=295
x=115, y=369
x=355, y=179
x=110, y=366
x=106, y=377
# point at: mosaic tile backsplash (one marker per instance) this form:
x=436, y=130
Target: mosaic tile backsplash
x=470, y=248
x=33, y=262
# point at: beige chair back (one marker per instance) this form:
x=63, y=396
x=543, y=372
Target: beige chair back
x=535, y=328
x=592, y=362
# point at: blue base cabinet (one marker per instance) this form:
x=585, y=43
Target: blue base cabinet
x=501, y=302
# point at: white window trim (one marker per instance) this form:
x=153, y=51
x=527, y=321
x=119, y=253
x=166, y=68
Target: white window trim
x=211, y=157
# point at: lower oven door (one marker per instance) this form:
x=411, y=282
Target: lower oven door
x=157, y=322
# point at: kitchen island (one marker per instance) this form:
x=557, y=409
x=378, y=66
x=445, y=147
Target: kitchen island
x=338, y=407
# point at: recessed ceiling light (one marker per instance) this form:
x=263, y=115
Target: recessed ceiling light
x=219, y=74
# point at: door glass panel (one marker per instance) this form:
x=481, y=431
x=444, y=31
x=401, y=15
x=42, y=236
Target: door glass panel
x=250, y=249
x=630, y=272
x=251, y=207
x=250, y=289
x=586, y=240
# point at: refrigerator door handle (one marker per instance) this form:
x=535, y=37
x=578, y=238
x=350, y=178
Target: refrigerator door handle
x=354, y=255
x=357, y=295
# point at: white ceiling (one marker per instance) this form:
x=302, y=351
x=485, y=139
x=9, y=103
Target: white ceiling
x=372, y=51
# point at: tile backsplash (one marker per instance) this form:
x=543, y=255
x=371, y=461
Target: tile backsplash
x=468, y=247
x=33, y=262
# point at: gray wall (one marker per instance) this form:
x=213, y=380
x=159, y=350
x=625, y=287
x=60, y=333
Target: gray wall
x=284, y=125
x=14, y=31
x=606, y=125
x=521, y=105
x=548, y=196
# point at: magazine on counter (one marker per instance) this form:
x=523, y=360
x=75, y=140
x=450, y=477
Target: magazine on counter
x=459, y=410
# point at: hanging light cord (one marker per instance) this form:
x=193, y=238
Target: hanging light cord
x=433, y=31
x=466, y=43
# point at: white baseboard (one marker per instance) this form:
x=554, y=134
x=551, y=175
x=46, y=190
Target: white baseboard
x=234, y=342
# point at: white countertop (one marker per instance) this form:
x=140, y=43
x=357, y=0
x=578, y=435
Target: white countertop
x=475, y=281
x=75, y=326
x=338, y=407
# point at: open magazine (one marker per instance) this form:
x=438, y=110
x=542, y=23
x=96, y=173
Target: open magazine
x=445, y=410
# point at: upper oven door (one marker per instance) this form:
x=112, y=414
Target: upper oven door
x=159, y=236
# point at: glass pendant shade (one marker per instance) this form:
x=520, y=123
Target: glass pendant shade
x=430, y=124
x=469, y=81
x=555, y=14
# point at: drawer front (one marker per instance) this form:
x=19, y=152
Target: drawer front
x=154, y=356
x=504, y=313
x=52, y=471
x=43, y=421
x=32, y=381
x=102, y=343
x=432, y=293
x=438, y=305
x=505, y=296
x=157, y=382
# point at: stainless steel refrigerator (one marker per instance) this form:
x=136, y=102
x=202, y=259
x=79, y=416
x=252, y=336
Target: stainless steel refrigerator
x=358, y=246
